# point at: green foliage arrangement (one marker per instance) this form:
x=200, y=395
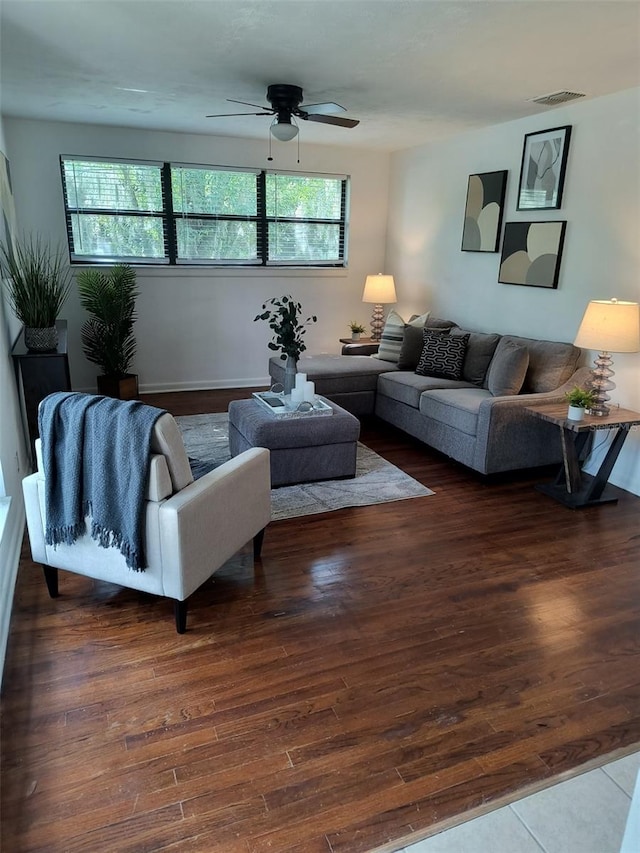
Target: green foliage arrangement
x=37, y=279
x=288, y=329
x=107, y=336
x=581, y=397
x=358, y=328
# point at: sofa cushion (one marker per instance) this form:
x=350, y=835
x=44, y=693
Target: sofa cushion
x=457, y=408
x=407, y=387
x=550, y=363
x=508, y=369
x=336, y=374
x=394, y=333
x=480, y=349
x=442, y=355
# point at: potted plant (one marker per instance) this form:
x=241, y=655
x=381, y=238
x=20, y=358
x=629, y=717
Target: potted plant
x=288, y=332
x=579, y=399
x=356, y=330
x=37, y=279
x=107, y=336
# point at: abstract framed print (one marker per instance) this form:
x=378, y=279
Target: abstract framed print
x=483, y=212
x=531, y=253
x=544, y=163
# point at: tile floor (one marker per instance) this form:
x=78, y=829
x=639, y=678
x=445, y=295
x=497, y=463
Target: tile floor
x=586, y=814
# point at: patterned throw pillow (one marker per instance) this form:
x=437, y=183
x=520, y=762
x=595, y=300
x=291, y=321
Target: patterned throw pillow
x=442, y=355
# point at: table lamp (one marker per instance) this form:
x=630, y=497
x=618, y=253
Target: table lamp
x=378, y=289
x=608, y=326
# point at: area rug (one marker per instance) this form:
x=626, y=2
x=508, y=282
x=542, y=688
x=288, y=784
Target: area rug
x=206, y=438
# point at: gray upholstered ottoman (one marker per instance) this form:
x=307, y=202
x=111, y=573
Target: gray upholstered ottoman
x=303, y=449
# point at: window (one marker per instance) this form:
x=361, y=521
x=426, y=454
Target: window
x=165, y=213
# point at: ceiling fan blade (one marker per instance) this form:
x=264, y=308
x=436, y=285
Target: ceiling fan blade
x=247, y=104
x=342, y=122
x=225, y=115
x=326, y=109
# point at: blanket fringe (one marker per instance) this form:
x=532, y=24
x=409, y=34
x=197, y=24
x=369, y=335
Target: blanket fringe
x=113, y=539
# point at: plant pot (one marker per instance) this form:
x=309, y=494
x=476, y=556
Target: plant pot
x=355, y=336
x=120, y=387
x=41, y=340
x=576, y=413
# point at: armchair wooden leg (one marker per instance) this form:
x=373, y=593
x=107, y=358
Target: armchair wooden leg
x=257, y=544
x=180, y=610
x=51, y=578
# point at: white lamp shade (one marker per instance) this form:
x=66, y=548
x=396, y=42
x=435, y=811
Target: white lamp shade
x=379, y=289
x=284, y=131
x=610, y=326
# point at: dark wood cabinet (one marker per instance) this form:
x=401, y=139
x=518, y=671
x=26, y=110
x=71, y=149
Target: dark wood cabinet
x=39, y=374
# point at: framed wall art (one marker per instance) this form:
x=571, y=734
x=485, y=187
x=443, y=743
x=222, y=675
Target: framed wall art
x=531, y=253
x=483, y=212
x=544, y=163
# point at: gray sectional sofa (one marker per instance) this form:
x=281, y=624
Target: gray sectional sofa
x=478, y=419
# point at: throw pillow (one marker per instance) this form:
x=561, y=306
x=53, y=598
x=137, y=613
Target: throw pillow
x=394, y=332
x=507, y=369
x=480, y=350
x=392, y=335
x=413, y=342
x=442, y=355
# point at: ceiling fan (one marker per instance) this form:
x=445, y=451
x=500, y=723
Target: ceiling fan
x=286, y=102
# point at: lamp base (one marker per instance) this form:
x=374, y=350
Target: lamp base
x=377, y=322
x=600, y=383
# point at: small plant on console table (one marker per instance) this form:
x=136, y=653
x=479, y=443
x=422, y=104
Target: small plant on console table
x=356, y=330
x=579, y=400
x=37, y=280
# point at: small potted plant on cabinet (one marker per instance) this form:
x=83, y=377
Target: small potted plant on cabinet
x=107, y=336
x=37, y=279
x=356, y=330
x=579, y=399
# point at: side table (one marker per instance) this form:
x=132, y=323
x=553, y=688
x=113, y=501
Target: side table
x=40, y=374
x=572, y=486
x=363, y=346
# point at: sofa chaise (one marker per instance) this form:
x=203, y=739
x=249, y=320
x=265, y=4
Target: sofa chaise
x=473, y=410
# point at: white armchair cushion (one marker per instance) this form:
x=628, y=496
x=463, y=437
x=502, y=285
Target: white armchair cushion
x=167, y=440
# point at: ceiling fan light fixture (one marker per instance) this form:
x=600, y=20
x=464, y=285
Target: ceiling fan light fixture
x=284, y=131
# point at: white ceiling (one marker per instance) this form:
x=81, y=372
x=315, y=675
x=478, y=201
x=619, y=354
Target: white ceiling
x=411, y=70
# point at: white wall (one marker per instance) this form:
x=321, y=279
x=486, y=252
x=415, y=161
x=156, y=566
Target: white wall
x=13, y=467
x=195, y=327
x=601, y=256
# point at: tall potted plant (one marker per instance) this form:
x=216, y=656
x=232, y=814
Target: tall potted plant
x=284, y=319
x=107, y=336
x=37, y=279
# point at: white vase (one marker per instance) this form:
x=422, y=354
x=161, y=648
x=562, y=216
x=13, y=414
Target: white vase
x=355, y=336
x=576, y=413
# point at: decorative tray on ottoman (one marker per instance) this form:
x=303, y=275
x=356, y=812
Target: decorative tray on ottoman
x=281, y=406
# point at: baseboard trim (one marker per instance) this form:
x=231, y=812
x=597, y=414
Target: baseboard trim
x=12, y=521
x=198, y=385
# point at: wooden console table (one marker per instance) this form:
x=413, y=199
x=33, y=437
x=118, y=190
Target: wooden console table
x=363, y=346
x=572, y=486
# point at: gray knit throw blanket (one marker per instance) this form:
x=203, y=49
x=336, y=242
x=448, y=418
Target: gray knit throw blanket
x=96, y=453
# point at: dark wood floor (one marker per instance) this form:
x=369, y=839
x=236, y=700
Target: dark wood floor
x=382, y=671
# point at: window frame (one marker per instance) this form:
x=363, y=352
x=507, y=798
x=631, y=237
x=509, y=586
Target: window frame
x=170, y=219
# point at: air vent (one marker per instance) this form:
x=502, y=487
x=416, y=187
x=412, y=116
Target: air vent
x=556, y=98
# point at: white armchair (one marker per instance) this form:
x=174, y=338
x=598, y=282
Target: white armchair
x=192, y=527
